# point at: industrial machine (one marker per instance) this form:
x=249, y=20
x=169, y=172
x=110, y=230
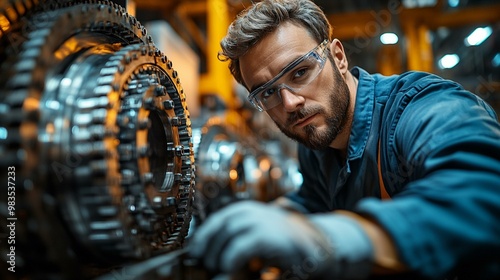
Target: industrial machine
x=95, y=139
x=98, y=149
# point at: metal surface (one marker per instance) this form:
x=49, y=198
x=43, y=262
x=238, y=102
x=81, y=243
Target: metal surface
x=94, y=125
x=239, y=164
x=178, y=265
x=98, y=149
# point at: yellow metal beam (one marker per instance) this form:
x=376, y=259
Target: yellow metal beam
x=418, y=47
x=416, y=24
x=191, y=27
x=361, y=26
x=389, y=60
x=193, y=9
x=434, y=18
x=157, y=5
x=218, y=79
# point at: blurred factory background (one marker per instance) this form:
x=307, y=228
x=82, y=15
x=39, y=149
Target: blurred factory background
x=91, y=166
x=457, y=39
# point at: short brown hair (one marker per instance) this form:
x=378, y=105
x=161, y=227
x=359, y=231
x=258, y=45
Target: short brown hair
x=260, y=19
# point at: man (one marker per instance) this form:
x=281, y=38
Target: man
x=401, y=173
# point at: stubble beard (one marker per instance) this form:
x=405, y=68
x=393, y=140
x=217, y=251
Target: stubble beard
x=336, y=120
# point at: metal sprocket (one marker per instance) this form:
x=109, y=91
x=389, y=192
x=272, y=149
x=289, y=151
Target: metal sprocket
x=84, y=139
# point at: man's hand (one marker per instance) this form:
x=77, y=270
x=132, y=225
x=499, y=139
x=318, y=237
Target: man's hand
x=246, y=231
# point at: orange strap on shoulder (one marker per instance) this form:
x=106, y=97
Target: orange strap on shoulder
x=383, y=191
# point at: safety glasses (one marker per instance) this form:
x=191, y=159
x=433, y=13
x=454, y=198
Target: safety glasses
x=293, y=77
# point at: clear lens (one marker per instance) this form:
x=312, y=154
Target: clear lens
x=296, y=76
x=295, y=80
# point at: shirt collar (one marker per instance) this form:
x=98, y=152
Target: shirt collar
x=363, y=113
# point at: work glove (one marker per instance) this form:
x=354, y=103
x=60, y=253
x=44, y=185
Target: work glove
x=302, y=247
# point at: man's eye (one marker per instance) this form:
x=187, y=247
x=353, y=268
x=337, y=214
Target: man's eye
x=268, y=93
x=300, y=73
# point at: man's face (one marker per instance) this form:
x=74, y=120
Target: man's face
x=319, y=111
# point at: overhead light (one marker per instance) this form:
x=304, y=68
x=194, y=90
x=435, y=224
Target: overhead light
x=449, y=61
x=478, y=36
x=453, y=3
x=3, y=133
x=389, y=38
x=496, y=60
x=418, y=3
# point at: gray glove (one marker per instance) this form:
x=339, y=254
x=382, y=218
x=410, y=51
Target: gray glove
x=300, y=246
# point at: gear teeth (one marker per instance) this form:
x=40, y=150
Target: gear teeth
x=89, y=147
x=103, y=173
x=145, y=94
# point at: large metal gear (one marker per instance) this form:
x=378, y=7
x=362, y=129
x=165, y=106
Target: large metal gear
x=94, y=122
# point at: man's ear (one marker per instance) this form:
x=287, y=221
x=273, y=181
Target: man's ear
x=339, y=57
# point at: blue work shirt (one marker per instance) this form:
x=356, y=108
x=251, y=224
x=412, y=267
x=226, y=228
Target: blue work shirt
x=440, y=162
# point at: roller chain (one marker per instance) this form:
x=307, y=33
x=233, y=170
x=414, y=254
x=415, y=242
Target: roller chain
x=93, y=118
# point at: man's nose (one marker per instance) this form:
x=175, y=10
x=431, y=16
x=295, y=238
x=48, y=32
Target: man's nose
x=291, y=101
